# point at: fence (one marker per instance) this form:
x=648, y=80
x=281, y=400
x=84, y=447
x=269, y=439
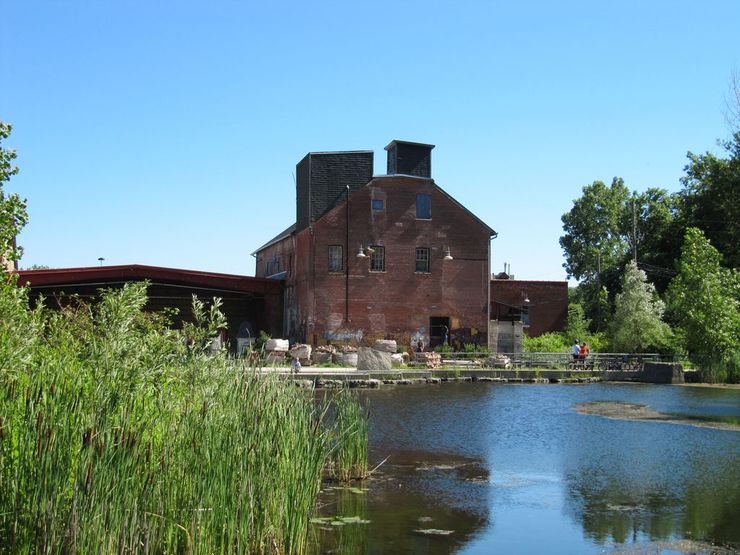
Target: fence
x=601, y=362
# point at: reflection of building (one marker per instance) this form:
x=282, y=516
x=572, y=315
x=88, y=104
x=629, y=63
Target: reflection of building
x=540, y=307
x=392, y=255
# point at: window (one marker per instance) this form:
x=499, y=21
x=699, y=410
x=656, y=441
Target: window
x=378, y=205
x=422, y=260
x=377, y=259
x=423, y=206
x=335, y=258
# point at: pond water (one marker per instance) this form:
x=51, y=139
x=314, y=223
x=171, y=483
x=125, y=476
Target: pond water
x=477, y=468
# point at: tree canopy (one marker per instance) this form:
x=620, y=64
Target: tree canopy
x=13, y=215
x=637, y=325
x=704, y=302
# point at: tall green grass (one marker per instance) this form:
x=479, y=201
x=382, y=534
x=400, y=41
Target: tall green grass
x=118, y=435
x=349, y=449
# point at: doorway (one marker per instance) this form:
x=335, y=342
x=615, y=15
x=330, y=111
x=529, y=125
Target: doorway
x=439, y=326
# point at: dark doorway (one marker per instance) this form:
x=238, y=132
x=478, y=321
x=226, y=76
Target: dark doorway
x=439, y=326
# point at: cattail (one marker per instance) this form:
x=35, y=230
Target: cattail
x=87, y=437
x=89, y=478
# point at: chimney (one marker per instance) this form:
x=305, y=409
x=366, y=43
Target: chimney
x=408, y=158
x=322, y=179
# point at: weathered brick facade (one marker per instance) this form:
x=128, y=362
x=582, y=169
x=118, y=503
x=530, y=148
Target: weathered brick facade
x=547, y=309
x=350, y=302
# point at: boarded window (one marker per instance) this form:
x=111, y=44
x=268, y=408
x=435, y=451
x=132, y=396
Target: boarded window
x=423, y=206
x=335, y=258
x=378, y=205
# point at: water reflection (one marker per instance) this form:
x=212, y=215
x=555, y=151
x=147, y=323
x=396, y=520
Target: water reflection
x=658, y=498
x=514, y=469
x=418, y=502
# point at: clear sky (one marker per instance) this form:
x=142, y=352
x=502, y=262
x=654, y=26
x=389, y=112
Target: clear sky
x=167, y=132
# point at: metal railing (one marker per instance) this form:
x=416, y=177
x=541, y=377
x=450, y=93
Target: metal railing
x=602, y=362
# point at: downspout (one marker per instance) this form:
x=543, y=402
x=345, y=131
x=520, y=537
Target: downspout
x=346, y=264
x=488, y=289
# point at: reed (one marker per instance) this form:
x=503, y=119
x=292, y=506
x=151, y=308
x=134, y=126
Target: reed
x=349, y=450
x=117, y=437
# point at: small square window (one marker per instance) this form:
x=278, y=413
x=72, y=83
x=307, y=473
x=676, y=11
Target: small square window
x=378, y=205
x=422, y=260
x=377, y=259
x=423, y=206
x=335, y=258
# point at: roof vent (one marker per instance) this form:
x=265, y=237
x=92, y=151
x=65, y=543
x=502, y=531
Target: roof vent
x=409, y=158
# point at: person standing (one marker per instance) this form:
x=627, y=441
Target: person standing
x=576, y=351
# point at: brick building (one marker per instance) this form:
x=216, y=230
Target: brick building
x=540, y=307
x=380, y=256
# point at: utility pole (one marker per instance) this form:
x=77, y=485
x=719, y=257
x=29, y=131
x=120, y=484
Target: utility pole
x=634, y=227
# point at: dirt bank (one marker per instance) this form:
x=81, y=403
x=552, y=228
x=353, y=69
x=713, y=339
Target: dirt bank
x=630, y=411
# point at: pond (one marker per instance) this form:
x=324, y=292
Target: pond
x=475, y=468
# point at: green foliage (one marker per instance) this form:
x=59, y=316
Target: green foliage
x=578, y=324
x=711, y=199
x=13, y=215
x=551, y=342
x=348, y=459
x=206, y=324
x=259, y=342
x=115, y=437
x=595, y=234
x=637, y=325
x=704, y=300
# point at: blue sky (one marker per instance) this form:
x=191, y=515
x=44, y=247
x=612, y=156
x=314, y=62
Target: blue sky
x=167, y=133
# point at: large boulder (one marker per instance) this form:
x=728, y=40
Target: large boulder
x=348, y=359
x=398, y=359
x=320, y=357
x=373, y=360
x=301, y=352
x=386, y=345
x=277, y=345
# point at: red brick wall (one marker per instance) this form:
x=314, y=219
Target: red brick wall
x=398, y=302
x=548, y=303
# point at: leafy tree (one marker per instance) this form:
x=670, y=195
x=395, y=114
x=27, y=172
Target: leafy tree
x=13, y=215
x=637, y=324
x=710, y=199
x=594, y=237
x=704, y=300
x=608, y=226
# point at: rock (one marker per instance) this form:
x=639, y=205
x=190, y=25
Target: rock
x=276, y=358
x=277, y=345
x=429, y=359
x=349, y=359
x=433, y=380
x=364, y=383
x=386, y=345
x=397, y=359
x=372, y=360
x=320, y=357
x=304, y=384
x=499, y=361
x=301, y=351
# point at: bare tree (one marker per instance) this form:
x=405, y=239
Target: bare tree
x=732, y=102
